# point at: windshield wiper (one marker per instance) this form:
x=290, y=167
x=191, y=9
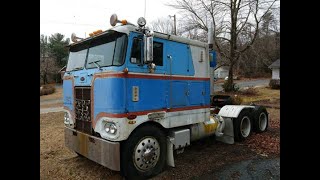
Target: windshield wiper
x=77, y=68
x=95, y=63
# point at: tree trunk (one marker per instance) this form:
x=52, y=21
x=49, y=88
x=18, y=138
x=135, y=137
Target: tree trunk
x=230, y=76
x=44, y=78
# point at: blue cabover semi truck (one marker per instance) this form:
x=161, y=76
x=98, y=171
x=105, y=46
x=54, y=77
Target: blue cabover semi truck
x=132, y=97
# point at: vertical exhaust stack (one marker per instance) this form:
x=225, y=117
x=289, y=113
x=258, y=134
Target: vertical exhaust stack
x=210, y=42
x=210, y=36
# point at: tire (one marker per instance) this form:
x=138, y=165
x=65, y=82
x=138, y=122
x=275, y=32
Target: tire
x=261, y=119
x=149, y=141
x=242, y=125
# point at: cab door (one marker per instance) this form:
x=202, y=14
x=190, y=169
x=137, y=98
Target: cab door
x=146, y=91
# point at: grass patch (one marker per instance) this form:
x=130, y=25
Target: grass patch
x=249, y=92
x=258, y=94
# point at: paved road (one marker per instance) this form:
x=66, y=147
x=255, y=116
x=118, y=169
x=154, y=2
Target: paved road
x=253, y=83
x=51, y=101
x=250, y=169
x=52, y=109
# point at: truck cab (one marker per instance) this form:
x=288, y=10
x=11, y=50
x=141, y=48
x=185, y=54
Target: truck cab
x=132, y=96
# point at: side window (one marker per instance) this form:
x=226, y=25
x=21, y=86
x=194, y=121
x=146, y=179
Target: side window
x=158, y=53
x=136, y=51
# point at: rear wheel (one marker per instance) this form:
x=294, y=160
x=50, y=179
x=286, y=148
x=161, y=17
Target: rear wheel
x=242, y=125
x=261, y=120
x=144, y=153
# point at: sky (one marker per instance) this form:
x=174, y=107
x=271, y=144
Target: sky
x=85, y=16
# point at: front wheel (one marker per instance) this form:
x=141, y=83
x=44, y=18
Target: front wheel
x=143, y=153
x=242, y=125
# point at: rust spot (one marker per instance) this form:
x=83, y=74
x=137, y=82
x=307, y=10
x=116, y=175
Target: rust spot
x=83, y=144
x=91, y=140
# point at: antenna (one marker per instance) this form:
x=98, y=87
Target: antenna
x=145, y=7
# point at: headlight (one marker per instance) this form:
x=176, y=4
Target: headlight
x=107, y=127
x=110, y=128
x=113, y=128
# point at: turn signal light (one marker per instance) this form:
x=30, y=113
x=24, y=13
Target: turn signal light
x=124, y=22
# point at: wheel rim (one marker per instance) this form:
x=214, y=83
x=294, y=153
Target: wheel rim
x=245, y=126
x=263, y=121
x=146, y=154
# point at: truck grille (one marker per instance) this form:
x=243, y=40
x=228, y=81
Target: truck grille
x=83, y=109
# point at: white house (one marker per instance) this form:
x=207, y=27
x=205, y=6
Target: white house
x=275, y=66
x=221, y=72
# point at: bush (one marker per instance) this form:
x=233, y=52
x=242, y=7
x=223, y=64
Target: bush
x=47, y=89
x=227, y=87
x=249, y=92
x=274, y=83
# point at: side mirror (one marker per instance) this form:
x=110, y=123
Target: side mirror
x=148, y=49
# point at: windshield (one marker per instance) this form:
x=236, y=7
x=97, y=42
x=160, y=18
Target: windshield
x=107, y=50
x=77, y=58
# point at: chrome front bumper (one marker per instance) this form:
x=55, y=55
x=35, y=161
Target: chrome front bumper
x=101, y=151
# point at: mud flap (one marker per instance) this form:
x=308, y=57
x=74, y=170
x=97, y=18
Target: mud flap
x=170, y=158
x=228, y=133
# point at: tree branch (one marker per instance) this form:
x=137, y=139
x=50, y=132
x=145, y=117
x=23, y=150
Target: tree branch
x=223, y=38
x=245, y=22
x=257, y=25
x=224, y=64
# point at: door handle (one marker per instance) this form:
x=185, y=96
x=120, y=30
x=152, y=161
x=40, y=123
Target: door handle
x=187, y=93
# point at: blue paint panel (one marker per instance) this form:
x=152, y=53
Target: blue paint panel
x=207, y=93
x=109, y=95
x=179, y=93
x=152, y=94
x=181, y=59
x=67, y=94
x=196, y=93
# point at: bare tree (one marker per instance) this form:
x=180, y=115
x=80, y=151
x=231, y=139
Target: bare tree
x=48, y=68
x=48, y=64
x=236, y=24
x=165, y=25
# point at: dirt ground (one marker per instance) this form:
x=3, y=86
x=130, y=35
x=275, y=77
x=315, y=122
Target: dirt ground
x=205, y=158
